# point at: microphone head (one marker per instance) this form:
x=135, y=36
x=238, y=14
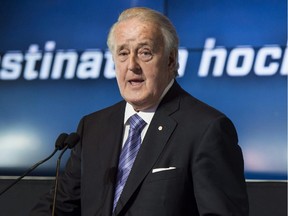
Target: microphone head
x=60, y=142
x=72, y=140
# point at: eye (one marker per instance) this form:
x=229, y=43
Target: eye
x=145, y=55
x=123, y=55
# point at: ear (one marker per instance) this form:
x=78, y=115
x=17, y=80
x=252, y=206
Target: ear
x=172, y=60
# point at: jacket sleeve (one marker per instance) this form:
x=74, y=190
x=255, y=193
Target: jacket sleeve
x=218, y=172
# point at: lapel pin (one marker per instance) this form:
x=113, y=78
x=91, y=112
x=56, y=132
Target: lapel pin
x=160, y=128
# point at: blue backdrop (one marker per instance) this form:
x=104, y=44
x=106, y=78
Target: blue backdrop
x=55, y=68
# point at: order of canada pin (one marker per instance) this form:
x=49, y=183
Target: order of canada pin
x=160, y=128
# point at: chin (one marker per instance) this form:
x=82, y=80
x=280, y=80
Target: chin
x=137, y=105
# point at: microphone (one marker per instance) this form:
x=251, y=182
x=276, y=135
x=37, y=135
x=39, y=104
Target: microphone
x=59, y=145
x=69, y=142
x=60, y=142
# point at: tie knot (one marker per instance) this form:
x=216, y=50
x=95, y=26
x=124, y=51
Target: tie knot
x=136, y=122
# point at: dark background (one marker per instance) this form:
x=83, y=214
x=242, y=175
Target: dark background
x=34, y=111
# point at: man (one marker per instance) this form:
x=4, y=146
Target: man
x=188, y=162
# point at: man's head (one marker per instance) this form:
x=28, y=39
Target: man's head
x=144, y=46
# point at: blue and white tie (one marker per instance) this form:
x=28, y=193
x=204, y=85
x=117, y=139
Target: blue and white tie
x=128, y=154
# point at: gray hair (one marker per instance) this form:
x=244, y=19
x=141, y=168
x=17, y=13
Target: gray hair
x=169, y=33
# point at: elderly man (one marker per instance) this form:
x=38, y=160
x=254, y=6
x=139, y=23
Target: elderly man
x=158, y=152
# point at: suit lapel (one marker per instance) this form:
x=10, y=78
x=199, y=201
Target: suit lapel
x=114, y=141
x=158, y=134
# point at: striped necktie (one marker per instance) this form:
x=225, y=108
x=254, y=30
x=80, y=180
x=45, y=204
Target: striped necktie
x=128, y=154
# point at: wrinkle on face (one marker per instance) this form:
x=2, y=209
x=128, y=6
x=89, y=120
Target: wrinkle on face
x=142, y=66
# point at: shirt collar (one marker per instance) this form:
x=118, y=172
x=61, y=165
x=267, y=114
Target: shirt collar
x=146, y=115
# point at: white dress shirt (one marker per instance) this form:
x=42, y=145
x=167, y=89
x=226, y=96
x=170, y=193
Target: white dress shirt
x=146, y=115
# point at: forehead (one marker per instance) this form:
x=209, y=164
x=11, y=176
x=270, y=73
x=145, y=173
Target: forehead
x=135, y=30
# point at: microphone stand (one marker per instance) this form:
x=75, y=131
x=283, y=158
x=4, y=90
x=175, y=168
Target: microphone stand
x=56, y=179
x=58, y=146
x=28, y=171
x=69, y=142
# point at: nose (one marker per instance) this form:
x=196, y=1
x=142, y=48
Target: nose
x=133, y=64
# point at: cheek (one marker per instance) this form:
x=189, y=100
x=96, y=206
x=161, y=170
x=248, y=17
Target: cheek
x=120, y=79
x=158, y=77
x=119, y=72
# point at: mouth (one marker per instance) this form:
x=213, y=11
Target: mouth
x=136, y=82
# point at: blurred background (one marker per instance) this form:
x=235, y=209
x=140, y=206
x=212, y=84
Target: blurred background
x=55, y=68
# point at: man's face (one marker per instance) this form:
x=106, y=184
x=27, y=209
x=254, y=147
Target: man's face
x=143, y=70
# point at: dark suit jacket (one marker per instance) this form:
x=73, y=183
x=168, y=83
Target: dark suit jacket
x=195, y=138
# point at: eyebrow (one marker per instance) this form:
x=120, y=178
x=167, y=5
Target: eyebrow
x=149, y=43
